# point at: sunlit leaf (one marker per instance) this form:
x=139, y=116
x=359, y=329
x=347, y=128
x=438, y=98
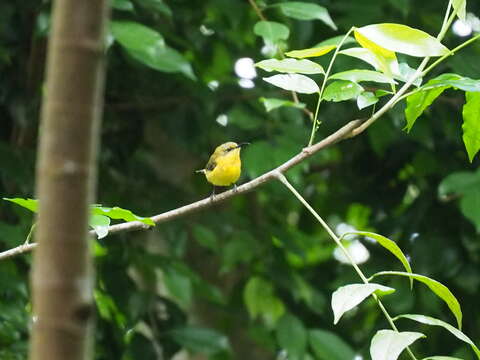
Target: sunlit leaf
x=347, y=297
x=459, y=7
x=342, y=90
x=390, y=245
x=291, y=66
x=294, y=82
x=30, y=204
x=438, y=288
x=100, y=224
x=311, y=52
x=436, y=322
x=406, y=73
x=471, y=124
x=271, y=31
x=366, y=99
x=272, y=104
x=363, y=54
x=389, y=344
x=357, y=76
x=403, y=39
x=336, y=40
x=306, y=11
x=120, y=214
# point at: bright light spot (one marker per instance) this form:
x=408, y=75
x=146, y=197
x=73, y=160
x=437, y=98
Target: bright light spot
x=343, y=228
x=213, y=85
x=206, y=31
x=461, y=28
x=222, y=119
x=358, y=357
x=245, y=68
x=414, y=237
x=269, y=50
x=357, y=251
x=246, y=83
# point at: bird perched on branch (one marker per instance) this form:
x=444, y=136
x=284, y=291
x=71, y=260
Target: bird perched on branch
x=224, y=166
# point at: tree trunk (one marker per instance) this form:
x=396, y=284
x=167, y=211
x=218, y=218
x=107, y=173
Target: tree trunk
x=62, y=274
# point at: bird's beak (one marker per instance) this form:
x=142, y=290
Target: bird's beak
x=243, y=144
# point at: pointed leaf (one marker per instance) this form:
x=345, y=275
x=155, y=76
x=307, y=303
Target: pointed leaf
x=311, y=52
x=272, y=104
x=30, y=204
x=471, y=124
x=438, y=288
x=389, y=344
x=459, y=7
x=436, y=322
x=390, y=245
x=366, y=99
x=403, y=39
x=386, y=58
x=342, y=90
x=418, y=102
x=306, y=11
x=347, y=297
x=294, y=82
x=357, y=76
x=271, y=31
x=291, y=66
x=120, y=214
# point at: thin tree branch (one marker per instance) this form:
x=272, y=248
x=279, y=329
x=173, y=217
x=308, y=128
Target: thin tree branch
x=342, y=133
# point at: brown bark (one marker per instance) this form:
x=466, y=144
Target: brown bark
x=62, y=276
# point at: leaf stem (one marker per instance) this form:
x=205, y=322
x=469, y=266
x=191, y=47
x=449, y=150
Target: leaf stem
x=324, y=82
x=335, y=238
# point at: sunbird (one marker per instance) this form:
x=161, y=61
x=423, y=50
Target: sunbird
x=224, y=166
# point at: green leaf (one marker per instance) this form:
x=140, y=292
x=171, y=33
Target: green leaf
x=418, y=102
x=100, y=224
x=311, y=52
x=336, y=40
x=363, y=54
x=441, y=358
x=291, y=66
x=205, y=237
x=156, y=5
x=436, y=322
x=467, y=185
x=306, y=11
x=406, y=72
x=260, y=299
x=272, y=103
x=200, y=340
x=30, y=204
x=389, y=344
x=328, y=345
x=118, y=213
x=366, y=99
x=459, y=7
x=342, y=90
x=438, y=288
x=124, y=5
x=179, y=285
x=292, y=336
x=347, y=297
x=148, y=46
x=294, y=82
x=271, y=31
x=403, y=39
x=357, y=76
x=390, y=245
x=471, y=124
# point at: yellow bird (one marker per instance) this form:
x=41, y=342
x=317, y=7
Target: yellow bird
x=224, y=166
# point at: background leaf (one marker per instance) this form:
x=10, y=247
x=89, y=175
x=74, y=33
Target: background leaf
x=307, y=11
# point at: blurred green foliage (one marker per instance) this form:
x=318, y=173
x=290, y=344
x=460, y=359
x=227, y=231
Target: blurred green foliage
x=251, y=278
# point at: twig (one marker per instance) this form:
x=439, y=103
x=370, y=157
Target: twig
x=340, y=134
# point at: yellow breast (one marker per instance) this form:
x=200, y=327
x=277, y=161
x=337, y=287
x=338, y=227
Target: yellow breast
x=227, y=169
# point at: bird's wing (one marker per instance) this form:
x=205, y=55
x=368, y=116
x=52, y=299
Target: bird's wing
x=211, y=164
